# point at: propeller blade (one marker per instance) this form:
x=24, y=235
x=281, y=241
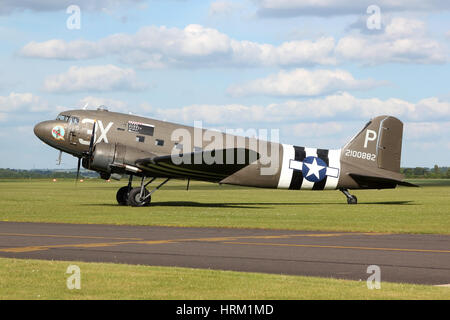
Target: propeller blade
x=58, y=161
x=91, y=143
x=91, y=146
x=78, y=169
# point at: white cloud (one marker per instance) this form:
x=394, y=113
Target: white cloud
x=402, y=41
x=92, y=102
x=302, y=82
x=290, y=8
x=93, y=78
x=426, y=143
x=212, y=114
x=60, y=49
x=401, y=27
x=323, y=134
x=331, y=134
x=10, y=6
x=22, y=101
x=432, y=108
x=112, y=104
x=195, y=45
x=421, y=131
x=317, y=129
x=290, y=53
x=373, y=51
x=337, y=106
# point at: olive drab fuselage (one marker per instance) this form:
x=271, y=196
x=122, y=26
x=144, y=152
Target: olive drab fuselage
x=130, y=144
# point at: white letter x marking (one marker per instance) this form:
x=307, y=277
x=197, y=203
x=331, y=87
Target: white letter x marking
x=103, y=131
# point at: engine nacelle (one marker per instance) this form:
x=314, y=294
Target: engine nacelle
x=115, y=158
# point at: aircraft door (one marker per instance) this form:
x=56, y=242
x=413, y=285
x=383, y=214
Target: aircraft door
x=74, y=127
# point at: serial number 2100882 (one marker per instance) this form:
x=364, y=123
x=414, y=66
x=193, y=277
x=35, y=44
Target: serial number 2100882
x=360, y=155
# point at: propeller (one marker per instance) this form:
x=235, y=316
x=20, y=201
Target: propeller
x=58, y=161
x=91, y=146
x=78, y=169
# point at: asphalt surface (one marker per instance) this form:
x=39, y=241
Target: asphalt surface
x=423, y=259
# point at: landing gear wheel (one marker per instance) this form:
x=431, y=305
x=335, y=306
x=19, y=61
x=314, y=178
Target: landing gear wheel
x=352, y=200
x=135, y=200
x=122, y=196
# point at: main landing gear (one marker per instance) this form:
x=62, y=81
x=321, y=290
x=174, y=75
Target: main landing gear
x=351, y=199
x=137, y=197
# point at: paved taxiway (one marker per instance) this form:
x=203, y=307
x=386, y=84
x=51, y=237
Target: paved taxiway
x=408, y=258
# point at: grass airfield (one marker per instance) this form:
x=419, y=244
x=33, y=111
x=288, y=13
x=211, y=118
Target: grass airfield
x=403, y=210
x=37, y=279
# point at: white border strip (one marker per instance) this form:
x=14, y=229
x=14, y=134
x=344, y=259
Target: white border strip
x=334, y=159
x=286, y=172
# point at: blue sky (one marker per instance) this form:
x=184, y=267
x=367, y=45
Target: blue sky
x=317, y=74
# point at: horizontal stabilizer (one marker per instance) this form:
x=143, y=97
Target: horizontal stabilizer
x=372, y=182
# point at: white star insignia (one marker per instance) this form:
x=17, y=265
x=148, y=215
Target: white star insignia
x=314, y=169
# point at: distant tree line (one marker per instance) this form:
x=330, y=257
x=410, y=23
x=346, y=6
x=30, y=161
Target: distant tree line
x=427, y=173
x=44, y=173
x=411, y=173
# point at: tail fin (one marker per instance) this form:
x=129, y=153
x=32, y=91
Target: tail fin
x=377, y=145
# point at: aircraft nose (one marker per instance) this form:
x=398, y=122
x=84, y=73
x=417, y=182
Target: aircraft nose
x=50, y=132
x=41, y=130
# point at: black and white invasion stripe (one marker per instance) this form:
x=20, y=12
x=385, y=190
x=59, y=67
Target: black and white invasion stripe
x=292, y=178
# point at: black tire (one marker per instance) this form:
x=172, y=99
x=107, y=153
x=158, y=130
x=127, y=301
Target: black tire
x=134, y=198
x=122, y=196
x=352, y=200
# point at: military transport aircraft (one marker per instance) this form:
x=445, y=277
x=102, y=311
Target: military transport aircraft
x=116, y=143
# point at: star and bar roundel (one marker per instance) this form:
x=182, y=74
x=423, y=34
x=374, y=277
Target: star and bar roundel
x=313, y=169
x=309, y=168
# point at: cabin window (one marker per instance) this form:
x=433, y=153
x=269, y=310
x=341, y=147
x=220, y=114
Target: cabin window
x=159, y=142
x=140, y=138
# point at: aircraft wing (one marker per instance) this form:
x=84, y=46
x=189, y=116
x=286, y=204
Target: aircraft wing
x=373, y=182
x=199, y=165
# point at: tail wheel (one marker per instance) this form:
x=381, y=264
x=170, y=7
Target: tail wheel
x=352, y=200
x=122, y=196
x=135, y=200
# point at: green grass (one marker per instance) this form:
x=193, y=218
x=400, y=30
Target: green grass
x=410, y=210
x=402, y=210
x=35, y=279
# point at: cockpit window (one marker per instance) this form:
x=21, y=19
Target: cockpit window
x=74, y=120
x=63, y=117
